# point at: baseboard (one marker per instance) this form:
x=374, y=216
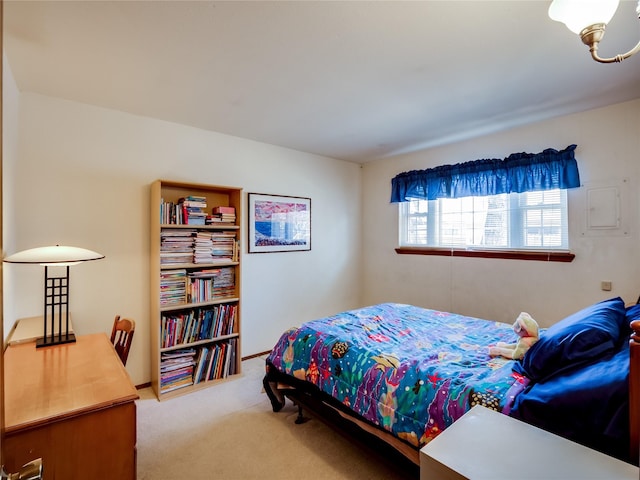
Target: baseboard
x=249, y=357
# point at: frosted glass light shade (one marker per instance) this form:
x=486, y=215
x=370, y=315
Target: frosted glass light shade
x=579, y=14
x=54, y=255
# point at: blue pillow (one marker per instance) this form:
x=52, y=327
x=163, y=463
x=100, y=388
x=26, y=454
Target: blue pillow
x=589, y=405
x=576, y=340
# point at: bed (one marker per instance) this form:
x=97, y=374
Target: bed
x=403, y=374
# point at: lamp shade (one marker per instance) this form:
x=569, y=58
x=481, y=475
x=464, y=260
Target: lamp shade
x=54, y=255
x=579, y=14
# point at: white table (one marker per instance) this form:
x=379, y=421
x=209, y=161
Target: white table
x=484, y=444
x=32, y=328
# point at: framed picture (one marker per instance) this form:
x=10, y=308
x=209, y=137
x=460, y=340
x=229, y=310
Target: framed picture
x=279, y=223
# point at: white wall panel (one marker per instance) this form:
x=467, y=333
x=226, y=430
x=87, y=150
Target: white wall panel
x=608, y=153
x=83, y=178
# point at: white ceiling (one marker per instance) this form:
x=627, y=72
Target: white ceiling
x=355, y=80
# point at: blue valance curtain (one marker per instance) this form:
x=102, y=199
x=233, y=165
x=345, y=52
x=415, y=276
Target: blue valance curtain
x=519, y=172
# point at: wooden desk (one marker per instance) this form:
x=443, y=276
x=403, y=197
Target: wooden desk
x=72, y=405
x=484, y=444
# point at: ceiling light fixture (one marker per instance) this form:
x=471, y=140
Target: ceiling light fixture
x=588, y=18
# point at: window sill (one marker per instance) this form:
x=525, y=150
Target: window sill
x=505, y=254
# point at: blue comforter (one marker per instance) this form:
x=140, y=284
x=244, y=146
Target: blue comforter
x=409, y=370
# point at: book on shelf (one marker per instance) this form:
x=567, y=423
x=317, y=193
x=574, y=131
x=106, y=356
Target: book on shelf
x=196, y=198
x=189, y=210
x=200, y=289
x=196, y=220
x=178, y=354
x=176, y=369
x=222, y=214
x=202, y=247
x=175, y=385
x=219, y=372
x=175, y=258
x=216, y=361
x=205, y=273
x=224, y=284
x=176, y=233
x=193, y=201
x=205, y=323
x=173, y=289
x=223, y=209
x=213, y=354
x=171, y=213
x=222, y=218
x=223, y=246
x=178, y=286
x=193, y=210
x=176, y=246
x=193, y=246
x=234, y=353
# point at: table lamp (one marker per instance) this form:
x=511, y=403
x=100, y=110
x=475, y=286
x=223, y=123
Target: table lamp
x=56, y=289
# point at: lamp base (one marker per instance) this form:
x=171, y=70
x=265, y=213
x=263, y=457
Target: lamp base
x=56, y=340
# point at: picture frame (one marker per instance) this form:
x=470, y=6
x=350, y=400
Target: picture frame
x=278, y=223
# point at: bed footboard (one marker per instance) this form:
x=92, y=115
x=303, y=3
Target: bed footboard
x=634, y=392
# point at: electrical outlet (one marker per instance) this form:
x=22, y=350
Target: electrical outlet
x=606, y=286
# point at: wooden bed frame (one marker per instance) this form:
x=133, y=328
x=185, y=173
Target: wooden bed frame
x=402, y=456
x=356, y=427
x=634, y=392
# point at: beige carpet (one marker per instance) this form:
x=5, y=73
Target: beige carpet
x=230, y=432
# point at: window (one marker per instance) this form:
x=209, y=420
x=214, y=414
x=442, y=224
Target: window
x=510, y=221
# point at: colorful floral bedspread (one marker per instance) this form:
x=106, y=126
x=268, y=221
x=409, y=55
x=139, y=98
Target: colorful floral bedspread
x=409, y=370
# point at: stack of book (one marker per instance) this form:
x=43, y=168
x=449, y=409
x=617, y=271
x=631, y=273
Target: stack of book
x=193, y=210
x=224, y=283
x=176, y=369
x=173, y=287
x=223, y=246
x=203, y=248
x=176, y=247
x=222, y=215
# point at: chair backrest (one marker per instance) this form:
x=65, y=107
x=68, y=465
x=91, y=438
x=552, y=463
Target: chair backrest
x=122, y=335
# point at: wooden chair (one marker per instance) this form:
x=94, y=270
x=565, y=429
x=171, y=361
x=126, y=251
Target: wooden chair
x=122, y=335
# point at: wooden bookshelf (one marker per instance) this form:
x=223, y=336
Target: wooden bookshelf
x=195, y=287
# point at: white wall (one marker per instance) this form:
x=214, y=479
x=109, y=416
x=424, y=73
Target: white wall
x=608, y=151
x=80, y=175
x=83, y=179
x=10, y=109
